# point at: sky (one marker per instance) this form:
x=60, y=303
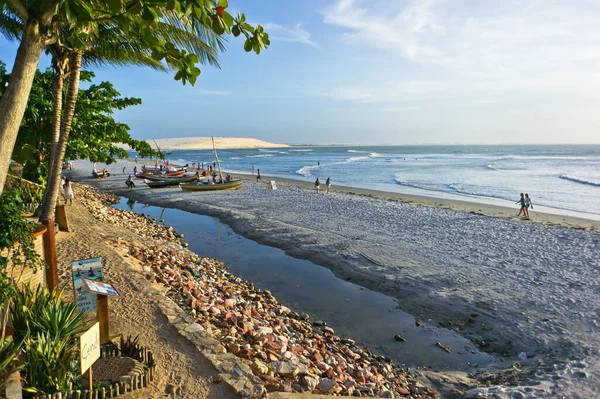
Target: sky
x=386, y=72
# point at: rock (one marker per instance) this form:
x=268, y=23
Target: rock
x=319, y=323
x=328, y=330
x=384, y=393
x=399, y=337
x=284, y=310
x=263, y=330
x=326, y=385
x=403, y=391
x=284, y=369
x=310, y=382
x=259, y=367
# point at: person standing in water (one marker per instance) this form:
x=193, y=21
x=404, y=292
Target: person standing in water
x=317, y=185
x=527, y=205
x=258, y=178
x=521, y=202
x=328, y=184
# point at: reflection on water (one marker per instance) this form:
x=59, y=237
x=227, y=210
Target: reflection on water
x=370, y=318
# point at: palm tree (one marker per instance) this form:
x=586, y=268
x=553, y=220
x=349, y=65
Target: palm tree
x=35, y=34
x=109, y=45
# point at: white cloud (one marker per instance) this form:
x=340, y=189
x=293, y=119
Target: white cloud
x=295, y=34
x=488, y=46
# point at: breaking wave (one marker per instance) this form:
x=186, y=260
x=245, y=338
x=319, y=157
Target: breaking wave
x=305, y=170
x=579, y=180
x=259, y=156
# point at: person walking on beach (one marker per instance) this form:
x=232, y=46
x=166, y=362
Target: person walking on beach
x=129, y=183
x=135, y=170
x=328, y=184
x=252, y=169
x=317, y=185
x=258, y=178
x=123, y=169
x=521, y=202
x=69, y=195
x=136, y=159
x=527, y=205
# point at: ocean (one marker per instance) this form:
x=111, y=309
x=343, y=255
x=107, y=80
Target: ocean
x=556, y=177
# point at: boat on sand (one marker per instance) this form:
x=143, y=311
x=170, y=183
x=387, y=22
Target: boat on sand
x=166, y=182
x=207, y=186
x=223, y=184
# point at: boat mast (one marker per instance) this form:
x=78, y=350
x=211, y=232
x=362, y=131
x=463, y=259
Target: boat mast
x=217, y=157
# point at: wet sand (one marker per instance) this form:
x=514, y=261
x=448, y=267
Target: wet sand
x=508, y=285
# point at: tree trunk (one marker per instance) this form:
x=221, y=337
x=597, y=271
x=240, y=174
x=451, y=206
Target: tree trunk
x=59, y=79
x=65, y=127
x=14, y=100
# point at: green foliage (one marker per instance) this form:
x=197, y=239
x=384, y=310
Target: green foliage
x=95, y=134
x=49, y=328
x=51, y=364
x=10, y=360
x=40, y=311
x=138, y=21
x=131, y=347
x=16, y=243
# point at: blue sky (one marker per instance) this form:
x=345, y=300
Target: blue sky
x=387, y=72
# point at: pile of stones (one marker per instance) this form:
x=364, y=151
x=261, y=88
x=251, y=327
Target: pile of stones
x=285, y=349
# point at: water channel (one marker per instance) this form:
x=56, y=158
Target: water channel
x=370, y=318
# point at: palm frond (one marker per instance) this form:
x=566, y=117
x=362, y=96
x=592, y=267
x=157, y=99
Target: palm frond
x=11, y=25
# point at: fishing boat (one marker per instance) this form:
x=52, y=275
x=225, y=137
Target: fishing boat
x=166, y=182
x=180, y=179
x=207, y=186
x=145, y=175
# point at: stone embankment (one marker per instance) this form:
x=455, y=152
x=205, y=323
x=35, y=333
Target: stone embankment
x=286, y=351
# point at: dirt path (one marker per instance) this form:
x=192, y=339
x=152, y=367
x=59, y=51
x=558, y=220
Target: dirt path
x=182, y=371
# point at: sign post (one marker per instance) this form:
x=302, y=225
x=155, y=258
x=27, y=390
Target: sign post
x=102, y=290
x=89, y=350
x=90, y=269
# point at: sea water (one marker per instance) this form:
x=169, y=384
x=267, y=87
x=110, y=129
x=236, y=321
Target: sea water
x=560, y=177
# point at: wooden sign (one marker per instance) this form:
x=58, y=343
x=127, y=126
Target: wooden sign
x=89, y=347
x=98, y=287
x=90, y=269
x=272, y=185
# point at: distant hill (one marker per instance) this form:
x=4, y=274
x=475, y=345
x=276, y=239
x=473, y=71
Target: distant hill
x=205, y=143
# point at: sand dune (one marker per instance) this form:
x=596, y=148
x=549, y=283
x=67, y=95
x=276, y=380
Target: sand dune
x=203, y=143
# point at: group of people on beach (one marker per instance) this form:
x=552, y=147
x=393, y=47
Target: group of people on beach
x=525, y=203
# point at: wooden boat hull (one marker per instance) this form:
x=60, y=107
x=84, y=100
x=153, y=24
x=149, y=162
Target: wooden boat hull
x=179, y=179
x=146, y=175
x=168, y=182
x=210, y=187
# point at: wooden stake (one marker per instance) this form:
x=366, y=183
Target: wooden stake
x=102, y=314
x=90, y=380
x=50, y=255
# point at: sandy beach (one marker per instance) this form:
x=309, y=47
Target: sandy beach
x=511, y=286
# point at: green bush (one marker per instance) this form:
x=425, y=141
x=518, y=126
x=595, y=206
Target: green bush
x=10, y=360
x=49, y=329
